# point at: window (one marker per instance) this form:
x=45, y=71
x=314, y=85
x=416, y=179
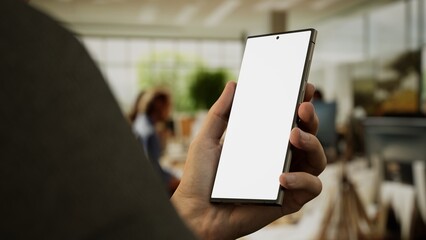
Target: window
x=130, y=64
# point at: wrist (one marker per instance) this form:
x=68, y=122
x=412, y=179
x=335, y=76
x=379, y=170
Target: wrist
x=188, y=216
x=199, y=220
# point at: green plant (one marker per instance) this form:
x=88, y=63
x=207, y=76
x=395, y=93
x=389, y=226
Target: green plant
x=170, y=70
x=192, y=85
x=206, y=87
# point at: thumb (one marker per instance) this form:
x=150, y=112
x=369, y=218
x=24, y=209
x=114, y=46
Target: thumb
x=217, y=117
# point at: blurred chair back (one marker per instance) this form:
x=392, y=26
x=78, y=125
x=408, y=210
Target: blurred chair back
x=327, y=134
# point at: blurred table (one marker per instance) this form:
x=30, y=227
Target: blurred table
x=174, y=157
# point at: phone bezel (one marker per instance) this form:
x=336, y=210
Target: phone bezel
x=308, y=59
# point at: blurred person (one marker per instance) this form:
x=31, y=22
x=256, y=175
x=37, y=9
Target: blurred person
x=150, y=115
x=66, y=175
x=317, y=96
x=135, y=109
x=327, y=132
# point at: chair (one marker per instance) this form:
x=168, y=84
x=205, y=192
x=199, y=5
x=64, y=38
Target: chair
x=395, y=146
x=327, y=134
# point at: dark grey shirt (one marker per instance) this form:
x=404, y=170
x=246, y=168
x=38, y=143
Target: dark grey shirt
x=70, y=167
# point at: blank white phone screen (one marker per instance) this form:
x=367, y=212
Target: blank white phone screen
x=262, y=116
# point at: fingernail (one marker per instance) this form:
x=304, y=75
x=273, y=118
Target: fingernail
x=290, y=178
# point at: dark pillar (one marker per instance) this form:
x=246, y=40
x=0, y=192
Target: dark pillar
x=278, y=21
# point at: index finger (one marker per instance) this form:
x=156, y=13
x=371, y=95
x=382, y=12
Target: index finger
x=313, y=159
x=308, y=119
x=309, y=92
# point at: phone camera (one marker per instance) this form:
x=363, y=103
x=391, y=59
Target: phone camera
x=278, y=37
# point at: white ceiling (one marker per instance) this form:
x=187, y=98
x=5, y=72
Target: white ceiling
x=188, y=18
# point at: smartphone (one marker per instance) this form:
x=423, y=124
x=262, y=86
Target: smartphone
x=256, y=148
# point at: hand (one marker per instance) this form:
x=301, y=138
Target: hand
x=227, y=221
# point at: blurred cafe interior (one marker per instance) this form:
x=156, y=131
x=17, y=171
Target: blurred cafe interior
x=369, y=68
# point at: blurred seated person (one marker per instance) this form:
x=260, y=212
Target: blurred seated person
x=317, y=96
x=327, y=133
x=149, y=122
